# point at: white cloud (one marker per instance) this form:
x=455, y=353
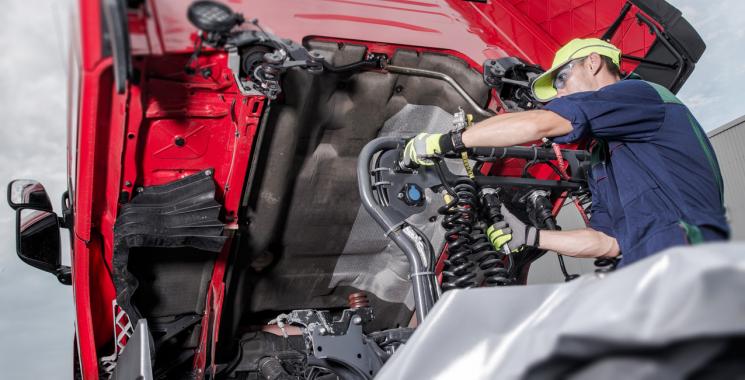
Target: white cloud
x=713, y=90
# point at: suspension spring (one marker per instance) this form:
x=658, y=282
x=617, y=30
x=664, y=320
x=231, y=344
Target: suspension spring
x=490, y=262
x=605, y=264
x=358, y=300
x=459, y=218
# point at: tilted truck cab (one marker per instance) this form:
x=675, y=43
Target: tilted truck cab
x=217, y=224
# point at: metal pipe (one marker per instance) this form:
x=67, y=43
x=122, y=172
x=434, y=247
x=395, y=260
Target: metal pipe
x=443, y=77
x=617, y=23
x=393, y=225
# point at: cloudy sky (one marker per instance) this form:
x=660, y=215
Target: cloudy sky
x=36, y=317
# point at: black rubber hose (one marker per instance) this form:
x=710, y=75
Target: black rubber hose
x=393, y=224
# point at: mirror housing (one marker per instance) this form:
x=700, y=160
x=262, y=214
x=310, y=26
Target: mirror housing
x=37, y=228
x=38, y=239
x=28, y=193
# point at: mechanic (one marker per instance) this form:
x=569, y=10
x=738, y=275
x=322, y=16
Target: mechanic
x=655, y=180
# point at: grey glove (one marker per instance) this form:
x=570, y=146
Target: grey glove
x=512, y=231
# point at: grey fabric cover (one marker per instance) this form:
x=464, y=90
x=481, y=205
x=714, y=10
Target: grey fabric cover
x=689, y=299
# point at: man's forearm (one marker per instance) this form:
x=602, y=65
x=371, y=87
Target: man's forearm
x=515, y=129
x=579, y=243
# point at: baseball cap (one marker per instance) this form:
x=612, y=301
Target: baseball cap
x=543, y=87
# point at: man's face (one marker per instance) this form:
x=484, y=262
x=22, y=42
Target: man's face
x=575, y=76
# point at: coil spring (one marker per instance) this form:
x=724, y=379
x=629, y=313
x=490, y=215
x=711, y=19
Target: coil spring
x=605, y=264
x=489, y=261
x=459, y=218
x=357, y=300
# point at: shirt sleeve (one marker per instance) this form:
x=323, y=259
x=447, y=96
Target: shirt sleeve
x=600, y=219
x=629, y=110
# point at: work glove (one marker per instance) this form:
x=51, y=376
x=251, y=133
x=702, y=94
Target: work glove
x=420, y=150
x=513, y=232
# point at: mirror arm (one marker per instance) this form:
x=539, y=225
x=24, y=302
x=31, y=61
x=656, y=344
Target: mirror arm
x=65, y=221
x=64, y=275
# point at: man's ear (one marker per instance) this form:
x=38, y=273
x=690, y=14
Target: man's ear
x=594, y=63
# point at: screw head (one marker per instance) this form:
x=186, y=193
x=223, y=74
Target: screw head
x=357, y=320
x=322, y=331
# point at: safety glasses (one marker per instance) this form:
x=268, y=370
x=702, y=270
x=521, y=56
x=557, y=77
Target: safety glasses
x=560, y=80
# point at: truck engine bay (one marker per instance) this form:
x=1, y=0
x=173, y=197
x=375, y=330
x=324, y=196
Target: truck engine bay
x=342, y=250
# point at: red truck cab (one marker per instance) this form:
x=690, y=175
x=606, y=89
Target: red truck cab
x=212, y=153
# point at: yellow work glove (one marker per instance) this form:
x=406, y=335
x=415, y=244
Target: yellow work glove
x=499, y=234
x=420, y=150
x=513, y=231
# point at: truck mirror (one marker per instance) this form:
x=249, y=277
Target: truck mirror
x=38, y=239
x=27, y=193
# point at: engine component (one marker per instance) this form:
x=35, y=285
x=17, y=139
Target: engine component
x=412, y=194
x=391, y=340
x=338, y=344
x=358, y=300
x=540, y=213
x=271, y=368
x=491, y=262
x=511, y=77
x=460, y=215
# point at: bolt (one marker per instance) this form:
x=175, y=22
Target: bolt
x=140, y=189
x=357, y=320
x=179, y=141
x=127, y=183
x=400, y=195
x=322, y=331
x=208, y=172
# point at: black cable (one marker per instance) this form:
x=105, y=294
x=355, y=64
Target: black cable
x=441, y=175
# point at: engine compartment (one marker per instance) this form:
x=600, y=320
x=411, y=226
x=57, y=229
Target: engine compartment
x=313, y=287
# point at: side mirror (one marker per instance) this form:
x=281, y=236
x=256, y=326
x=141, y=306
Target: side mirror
x=37, y=228
x=27, y=193
x=38, y=239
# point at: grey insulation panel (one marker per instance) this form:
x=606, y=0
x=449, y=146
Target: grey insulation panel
x=305, y=221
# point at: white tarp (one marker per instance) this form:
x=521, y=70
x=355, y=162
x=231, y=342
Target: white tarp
x=676, y=297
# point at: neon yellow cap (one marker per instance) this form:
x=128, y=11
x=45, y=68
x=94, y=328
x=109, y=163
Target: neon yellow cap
x=543, y=86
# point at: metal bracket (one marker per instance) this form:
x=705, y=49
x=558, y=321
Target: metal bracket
x=341, y=341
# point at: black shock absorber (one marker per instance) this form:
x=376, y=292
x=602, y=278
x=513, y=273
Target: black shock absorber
x=539, y=209
x=459, y=218
x=491, y=262
x=602, y=264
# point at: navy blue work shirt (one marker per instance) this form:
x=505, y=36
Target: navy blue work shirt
x=655, y=180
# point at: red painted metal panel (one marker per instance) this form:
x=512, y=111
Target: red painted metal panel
x=530, y=29
x=170, y=125
x=190, y=123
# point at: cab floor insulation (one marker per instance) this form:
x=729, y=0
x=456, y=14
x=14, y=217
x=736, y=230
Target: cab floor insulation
x=303, y=249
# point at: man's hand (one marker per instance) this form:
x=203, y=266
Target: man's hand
x=421, y=149
x=512, y=231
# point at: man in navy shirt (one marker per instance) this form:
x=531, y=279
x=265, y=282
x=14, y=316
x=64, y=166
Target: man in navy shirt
x=655, y=180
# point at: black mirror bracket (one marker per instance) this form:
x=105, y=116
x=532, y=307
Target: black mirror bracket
x=64, y=275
